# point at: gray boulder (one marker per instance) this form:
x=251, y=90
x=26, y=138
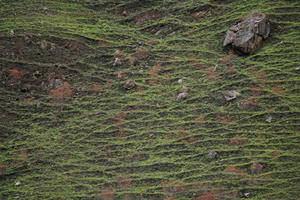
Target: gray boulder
x=247, y=35
x=129, y=84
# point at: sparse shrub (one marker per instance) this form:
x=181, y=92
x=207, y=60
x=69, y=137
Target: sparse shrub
x=230, y=169
x=132, y=60
x=2, y=168
x=102, y=42
x=277, y=90
x=106, y=195
x=274, y=154
x=211, y=75
x=256, y=167
x=141, y=54
x=260, y=75
x=230, y=70
x=119, y=53
x=123, y=181
x=137, y=157
x=237, y=140
x=209, y=196
x=225, y=59
x=97, y=88
x=170, y=135
x=252, y=69
x=168, y=76
x=16, y=74
x=154, y=73
x=172, y=188
x=28, y=100
x=118, y=120
x=253, y=101
x=170, y=198
x=151, y=41
x=63, y=92
x=256, y=90
x=108, y=84
x=139, y=88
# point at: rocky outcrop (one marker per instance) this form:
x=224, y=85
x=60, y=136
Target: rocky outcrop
x=246, y=36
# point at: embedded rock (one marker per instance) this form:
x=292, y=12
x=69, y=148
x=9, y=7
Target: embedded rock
x=231, y=95
x=256, y=167
x=212, y=154
x=180, y=96
x=129, y=84
x=246, y=36
x=117, y=62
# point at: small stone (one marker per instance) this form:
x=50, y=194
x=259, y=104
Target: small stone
x=180, y=96
x=243, y=105
x=18, y=183
x=161, y=30
x=117, y=62
x=246, y=194
x=180, y=81
x=269, y=119
x=231, y=95
x=36, y=75
x=212, y=154
x=129, y=84
x=45, y=10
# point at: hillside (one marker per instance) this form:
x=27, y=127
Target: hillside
x=89, y=101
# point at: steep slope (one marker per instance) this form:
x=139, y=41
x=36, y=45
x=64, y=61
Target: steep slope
x=70, y=130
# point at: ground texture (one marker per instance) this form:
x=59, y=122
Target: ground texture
x=70, y=130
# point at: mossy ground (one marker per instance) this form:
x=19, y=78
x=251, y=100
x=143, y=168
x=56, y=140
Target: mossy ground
x=93, y=139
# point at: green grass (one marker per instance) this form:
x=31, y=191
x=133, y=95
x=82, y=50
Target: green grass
x=143, y=143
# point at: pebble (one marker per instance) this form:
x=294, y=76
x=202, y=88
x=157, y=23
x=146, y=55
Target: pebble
x=269, y=119
x=180, y=96
x=212, y=154
x=117, y=62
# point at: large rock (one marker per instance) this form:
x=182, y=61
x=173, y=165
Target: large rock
x=247, y=35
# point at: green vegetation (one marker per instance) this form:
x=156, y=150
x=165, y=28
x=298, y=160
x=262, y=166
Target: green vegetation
x=70, y=130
